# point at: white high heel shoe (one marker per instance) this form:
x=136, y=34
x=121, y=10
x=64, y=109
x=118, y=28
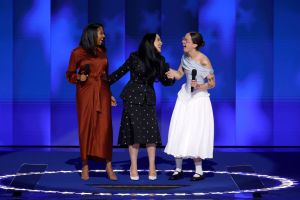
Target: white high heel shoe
x=152, y=178
x=134, y=178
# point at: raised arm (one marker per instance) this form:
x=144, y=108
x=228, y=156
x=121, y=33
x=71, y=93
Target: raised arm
x=121, y=71
x=164, y=79
x=177, y=74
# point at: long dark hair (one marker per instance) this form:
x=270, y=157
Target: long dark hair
x=89, y=37
x=153, y=61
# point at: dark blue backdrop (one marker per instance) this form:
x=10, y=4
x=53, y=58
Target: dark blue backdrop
x=252, y=44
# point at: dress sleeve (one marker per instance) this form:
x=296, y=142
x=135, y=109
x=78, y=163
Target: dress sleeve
x=163, y=77
x=71, y=72
x=121, y=71
x=206, y=72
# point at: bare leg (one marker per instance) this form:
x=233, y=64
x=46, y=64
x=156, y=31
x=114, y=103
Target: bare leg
x=85, y=170
x=151, y=148
x=110, y=173
x=133, y=153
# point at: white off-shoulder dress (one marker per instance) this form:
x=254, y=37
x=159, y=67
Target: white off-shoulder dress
x=191, y=131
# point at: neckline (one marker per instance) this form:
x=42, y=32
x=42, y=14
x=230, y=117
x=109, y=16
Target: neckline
x=199, y=64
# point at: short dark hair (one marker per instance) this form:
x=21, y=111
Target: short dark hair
x=89, y=38
x=197, y=39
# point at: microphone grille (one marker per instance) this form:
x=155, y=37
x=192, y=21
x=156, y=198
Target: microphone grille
x=194, y=72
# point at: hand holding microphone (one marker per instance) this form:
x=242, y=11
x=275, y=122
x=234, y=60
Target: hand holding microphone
x=194, y=73
x=84, y=73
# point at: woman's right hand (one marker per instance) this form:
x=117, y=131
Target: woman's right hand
x=82, y=77
x=171, y=73
x=113, y=101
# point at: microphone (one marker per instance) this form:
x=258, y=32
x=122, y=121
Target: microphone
x=194, y=73
x=85, y=70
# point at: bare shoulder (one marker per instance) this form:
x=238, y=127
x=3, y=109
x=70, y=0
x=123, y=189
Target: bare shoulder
x=204, y=60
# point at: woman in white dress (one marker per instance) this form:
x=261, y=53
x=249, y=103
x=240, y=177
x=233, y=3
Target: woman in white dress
x=191, y=131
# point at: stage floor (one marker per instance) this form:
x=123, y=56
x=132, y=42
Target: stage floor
x=277, y=169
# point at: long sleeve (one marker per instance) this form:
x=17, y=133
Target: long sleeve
x=163, y=77
x=120, y=72
x=166, y=81
x=71, y=72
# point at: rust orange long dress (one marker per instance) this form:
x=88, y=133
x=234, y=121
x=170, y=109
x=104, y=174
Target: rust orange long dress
x=93, y=104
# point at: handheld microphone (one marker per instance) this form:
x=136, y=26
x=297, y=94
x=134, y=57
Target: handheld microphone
x=85, y=70
x=194, y=73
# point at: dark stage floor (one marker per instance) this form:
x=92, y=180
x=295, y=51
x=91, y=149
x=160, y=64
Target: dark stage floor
x=276, y=169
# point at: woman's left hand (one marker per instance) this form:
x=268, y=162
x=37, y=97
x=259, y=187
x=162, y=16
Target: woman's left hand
x=194, y=84
x=113, y=101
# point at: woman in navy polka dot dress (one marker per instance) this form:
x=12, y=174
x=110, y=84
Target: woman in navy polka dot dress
x=139, y=122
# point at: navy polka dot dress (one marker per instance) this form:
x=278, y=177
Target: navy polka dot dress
x=139, y=125
x=139, y=120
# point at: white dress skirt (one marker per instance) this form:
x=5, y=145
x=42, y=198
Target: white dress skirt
x=191, y=131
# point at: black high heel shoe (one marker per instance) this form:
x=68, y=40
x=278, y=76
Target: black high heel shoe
x=197, y=177
x=176, y=176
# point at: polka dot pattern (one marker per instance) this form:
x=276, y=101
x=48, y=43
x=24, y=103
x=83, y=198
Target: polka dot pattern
x=139, y=125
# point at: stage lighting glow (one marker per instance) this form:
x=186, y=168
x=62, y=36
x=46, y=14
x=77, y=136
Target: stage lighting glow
x=284, y=183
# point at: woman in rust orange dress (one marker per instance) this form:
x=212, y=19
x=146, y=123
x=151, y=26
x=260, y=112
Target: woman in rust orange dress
x=88, y=70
